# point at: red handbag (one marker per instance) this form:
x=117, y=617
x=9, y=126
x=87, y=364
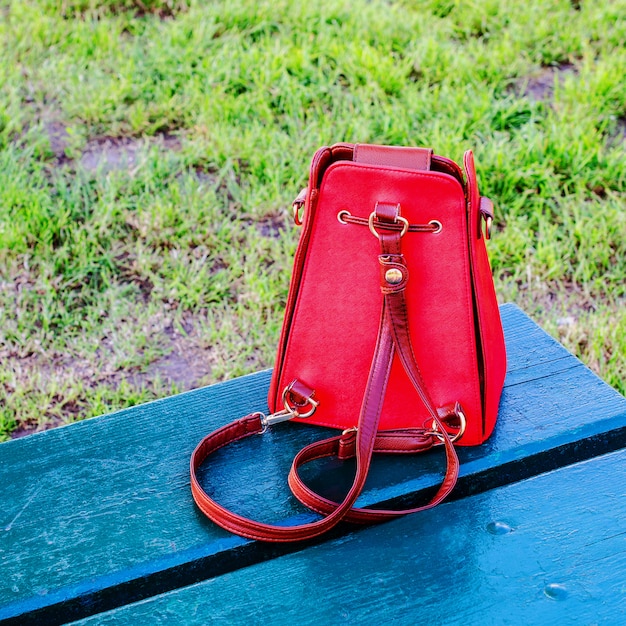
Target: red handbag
x=392, y=332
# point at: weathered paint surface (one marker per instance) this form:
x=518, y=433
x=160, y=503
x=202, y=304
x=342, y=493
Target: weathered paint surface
x=99, y=514
x=546, y=550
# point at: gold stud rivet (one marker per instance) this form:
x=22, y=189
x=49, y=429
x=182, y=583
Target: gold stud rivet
x=393, y=276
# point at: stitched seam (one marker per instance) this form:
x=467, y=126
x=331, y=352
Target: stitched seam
x=386, y=374
x=469, y=310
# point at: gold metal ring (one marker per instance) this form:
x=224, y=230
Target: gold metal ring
x=341, y=214
x=438, y=226
x=463, y=424
x=399, y=218
x=294, y=410
x=488, y=225
x=297, y=206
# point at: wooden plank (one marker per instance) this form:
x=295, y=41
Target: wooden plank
x=99, y=514
x=547, y=550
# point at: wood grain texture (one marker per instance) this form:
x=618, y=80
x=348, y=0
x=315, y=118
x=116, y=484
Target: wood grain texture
x=547, y=550
x=99, y=514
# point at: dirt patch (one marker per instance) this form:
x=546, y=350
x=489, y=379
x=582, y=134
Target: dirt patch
x=66, y=383
x=204, y=175
x=34, y=375
x=187, y=362
x=558, y=308
x=540, y=87
x=163, y=9
x=103, y=153
x=58, y=137
x=29, y=429
x=187, y=366
x=272, y=225
x=118, y=153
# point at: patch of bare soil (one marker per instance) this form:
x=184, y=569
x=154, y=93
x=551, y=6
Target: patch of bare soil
x=29, y=429
x=68, y=380
x=541, y=85
x=58, y=138
x=166, y=9
x=104, y=153
x=558, y=299
x=559, y=308
x=119, y=153
x=187, y=364
x=272, y=225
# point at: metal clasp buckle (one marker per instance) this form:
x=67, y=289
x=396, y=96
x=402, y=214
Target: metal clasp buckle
x=275, y=418
x=288, y=412
x=399, y=218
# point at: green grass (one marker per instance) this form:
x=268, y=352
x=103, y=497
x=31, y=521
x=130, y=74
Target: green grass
x=149, y=152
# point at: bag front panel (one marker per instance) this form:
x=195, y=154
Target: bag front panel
x=333, y=327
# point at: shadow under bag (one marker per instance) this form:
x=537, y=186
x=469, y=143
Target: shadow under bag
x=392, y=332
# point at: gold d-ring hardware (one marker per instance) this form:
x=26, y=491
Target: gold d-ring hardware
x=488, y=224
x=399, y=218
x=297, y=207
x=294, y=410
x=434, y=430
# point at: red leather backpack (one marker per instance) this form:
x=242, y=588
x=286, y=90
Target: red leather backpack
x=392, y=331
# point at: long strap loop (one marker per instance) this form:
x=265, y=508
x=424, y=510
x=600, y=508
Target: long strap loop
x=393, y=337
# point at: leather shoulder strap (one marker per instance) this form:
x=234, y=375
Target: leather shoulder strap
x=393, y=336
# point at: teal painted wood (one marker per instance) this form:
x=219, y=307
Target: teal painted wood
x=547, y=550
x=99, y=514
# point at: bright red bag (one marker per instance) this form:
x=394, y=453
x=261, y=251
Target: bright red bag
x=392, y=331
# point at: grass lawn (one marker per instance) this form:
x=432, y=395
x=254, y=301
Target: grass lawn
x=150, y=150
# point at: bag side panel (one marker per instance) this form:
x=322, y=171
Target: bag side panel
x=335, y=320
x=275, y=391
x=489, y=323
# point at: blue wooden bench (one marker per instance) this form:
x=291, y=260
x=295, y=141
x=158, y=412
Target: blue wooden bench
x=97, y=524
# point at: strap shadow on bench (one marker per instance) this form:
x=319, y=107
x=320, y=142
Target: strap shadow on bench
x=98, y=514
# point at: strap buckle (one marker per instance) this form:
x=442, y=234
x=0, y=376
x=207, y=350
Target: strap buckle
x=275, y=418
x=291, y=409
x=399, y=218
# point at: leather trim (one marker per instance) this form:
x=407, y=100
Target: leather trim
x=393, y=156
